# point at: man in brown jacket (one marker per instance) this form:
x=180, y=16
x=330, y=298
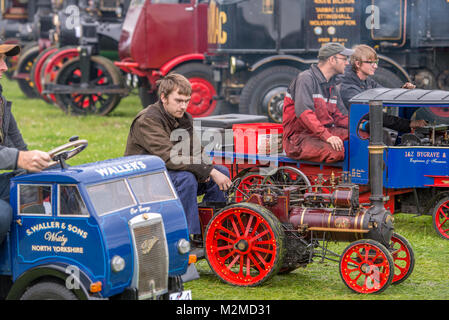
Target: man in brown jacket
x=165, y=129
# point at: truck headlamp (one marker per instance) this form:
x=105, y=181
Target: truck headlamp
x=117, y=263
x=183, y=246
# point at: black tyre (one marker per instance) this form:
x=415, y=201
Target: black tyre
x=264, y=93
x=102, y=73
x=48, y=291
x=146, y=96
x=387, y=79
x=23, y=71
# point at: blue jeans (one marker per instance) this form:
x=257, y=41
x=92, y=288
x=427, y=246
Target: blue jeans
x=188, y=189
x=5, y=207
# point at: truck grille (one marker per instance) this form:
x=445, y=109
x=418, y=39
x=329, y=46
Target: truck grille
x=151, y=255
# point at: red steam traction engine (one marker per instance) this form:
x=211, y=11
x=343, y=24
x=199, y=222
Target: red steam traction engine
x=280, y=225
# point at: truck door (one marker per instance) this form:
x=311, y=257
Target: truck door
x=171, y=28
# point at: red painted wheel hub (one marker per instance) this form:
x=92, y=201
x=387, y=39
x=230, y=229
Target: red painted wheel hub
x=441, y=219
x=365, y=268
x=241, y=246
x=201, y=101
x=439, y=111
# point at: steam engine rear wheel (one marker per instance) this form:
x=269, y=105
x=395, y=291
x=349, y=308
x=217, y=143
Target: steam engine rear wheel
x=366, y=266
x=244, y=244
x=36, y=71
x=102, y=73
x=23, y=71
x=248, y=180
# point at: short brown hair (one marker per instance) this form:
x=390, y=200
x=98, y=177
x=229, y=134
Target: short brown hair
x=171, y=82
x=362, y=52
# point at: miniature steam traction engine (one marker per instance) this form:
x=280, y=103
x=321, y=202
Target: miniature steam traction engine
x=282, y=224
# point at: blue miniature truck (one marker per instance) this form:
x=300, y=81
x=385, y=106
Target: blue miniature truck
x=110, y=229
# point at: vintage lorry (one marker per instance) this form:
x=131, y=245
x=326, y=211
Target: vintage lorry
x=95, y=231
x=257, y=47
x=163, y=36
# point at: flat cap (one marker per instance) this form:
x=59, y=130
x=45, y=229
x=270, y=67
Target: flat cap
x=333, y=48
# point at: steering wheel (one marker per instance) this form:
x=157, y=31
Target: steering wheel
x=66, y=151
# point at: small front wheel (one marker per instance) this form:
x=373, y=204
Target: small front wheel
x=366, y=266
x=440, y=218
x=48, y=291
x=403, y=257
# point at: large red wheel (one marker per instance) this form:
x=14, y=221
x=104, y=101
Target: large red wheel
x=440, y=218
x=403, y=258
x=244, y=244
x=366, y=266
x=36, y=70
x=53, y=64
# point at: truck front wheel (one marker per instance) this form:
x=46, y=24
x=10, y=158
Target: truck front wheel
x=48, y=291
x=264, y=93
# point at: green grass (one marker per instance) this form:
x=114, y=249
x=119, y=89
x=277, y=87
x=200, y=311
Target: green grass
x=44, y=127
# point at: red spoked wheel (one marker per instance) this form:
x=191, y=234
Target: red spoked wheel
x=249, y=180
x=366, y=266
x=440, y=218
x=403, y=258
x=244, y=244
x=201, y=101
x=53, y=64
x=36, y=70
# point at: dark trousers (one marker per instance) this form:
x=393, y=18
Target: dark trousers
x=5, y=207
x=188, y=189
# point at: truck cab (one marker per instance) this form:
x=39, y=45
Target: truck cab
x=109, y=229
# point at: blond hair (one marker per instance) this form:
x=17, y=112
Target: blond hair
x=362, y=52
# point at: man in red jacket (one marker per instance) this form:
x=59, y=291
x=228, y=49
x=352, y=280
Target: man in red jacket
x=314, y=124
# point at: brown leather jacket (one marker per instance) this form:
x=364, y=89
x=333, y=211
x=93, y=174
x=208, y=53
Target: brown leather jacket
x=155, y=132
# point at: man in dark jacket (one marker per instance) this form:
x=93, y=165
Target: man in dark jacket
x=13, y=150
x=358, y=78
x=313, y=122
x=165, y=129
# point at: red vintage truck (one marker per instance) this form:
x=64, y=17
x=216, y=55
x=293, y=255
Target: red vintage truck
x=160, y=36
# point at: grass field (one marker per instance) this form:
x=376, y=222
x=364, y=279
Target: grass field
x=44, y=127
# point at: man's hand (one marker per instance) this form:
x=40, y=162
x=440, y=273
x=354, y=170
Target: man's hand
x=336, y=143
x=220, y=179
x=418, y=124
x=33, y=161
x=408, y=85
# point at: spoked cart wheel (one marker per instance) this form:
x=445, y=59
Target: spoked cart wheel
x=23, y=71
x=102, y=73
x=440, y=217
x=248, y=181
x=366, y=266
x=52, y=65
x=244, y=244
x=403, y=258
x=37, y=68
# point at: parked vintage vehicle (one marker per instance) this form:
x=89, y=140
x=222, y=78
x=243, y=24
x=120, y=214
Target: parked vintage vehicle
x=95, y=231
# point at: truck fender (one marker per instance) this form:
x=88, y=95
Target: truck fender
x=57, y=271
x=281, y=57
x=170, y=65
